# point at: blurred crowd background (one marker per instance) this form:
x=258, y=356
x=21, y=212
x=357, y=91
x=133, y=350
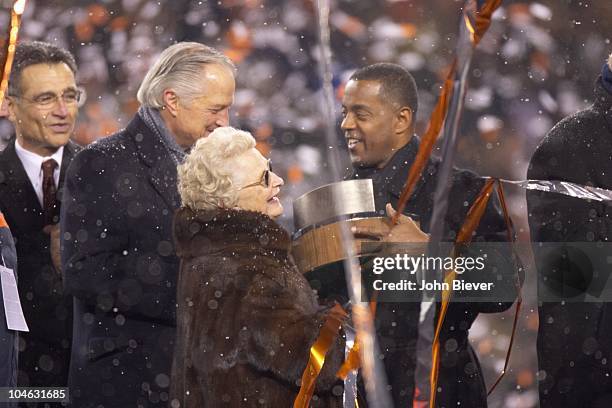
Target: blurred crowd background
x=537, y=63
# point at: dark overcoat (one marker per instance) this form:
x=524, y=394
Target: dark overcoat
x=8, y=338
x=246, y=316
x=119, y=263
x=460, y=380
x=574, y=338
x=45, y=359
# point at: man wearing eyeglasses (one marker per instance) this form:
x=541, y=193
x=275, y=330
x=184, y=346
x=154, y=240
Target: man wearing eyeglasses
x=42, y=105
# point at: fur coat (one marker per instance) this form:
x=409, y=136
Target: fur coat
x=246, y=317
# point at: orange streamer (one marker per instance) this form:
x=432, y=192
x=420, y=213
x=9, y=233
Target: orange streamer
x=463, y=237
x=475, y=213
x=327, y=335
x=478, y=21
x=519, y=300
x=3, y=223
x=16, y=13
x=427, y=142
x=353, y=361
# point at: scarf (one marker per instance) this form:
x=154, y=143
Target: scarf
x=152, y=118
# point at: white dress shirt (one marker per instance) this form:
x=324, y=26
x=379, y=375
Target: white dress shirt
x=32, y=163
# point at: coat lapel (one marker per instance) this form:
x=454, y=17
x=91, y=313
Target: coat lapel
x=163, y=179
x=16, y=192
x=156, y=158
x=392, y=178
x=70, y=150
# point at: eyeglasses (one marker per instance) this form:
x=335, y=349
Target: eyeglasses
x=263, y=181
x=48, y=100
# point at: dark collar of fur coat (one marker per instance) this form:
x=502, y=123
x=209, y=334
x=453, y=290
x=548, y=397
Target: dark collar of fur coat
x=200, y=232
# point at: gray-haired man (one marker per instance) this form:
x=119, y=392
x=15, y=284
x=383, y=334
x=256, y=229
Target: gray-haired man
x=118, y=256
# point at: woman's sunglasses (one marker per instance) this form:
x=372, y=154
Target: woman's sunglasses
x=264, y=180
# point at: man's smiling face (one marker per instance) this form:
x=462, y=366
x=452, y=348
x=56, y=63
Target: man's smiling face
x=368, y=124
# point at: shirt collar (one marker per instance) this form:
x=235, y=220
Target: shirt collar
x=32, y=162
x=402, y=158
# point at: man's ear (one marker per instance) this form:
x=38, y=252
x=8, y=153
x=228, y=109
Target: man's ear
x=9, y=104
x=171, y=102
x=403, y=122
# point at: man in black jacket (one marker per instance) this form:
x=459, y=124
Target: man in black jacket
x=43, y=106
x=574, y=337
x=379, y=108
x=118, y=256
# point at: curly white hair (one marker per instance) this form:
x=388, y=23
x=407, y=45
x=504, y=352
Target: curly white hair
x=205, y=179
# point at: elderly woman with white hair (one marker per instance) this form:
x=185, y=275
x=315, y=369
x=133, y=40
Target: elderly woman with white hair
x=118, y=261
x=246, y=317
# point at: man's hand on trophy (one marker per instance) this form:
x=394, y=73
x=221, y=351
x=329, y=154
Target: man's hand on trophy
x=406, y=230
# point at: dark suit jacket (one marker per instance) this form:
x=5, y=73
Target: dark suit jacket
x=574, y=337
x=120, y=265
x=47, y=309
x=460, y=380
x=8, y=338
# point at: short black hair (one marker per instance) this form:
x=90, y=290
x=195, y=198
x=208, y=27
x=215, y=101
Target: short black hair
x=36, y=52
x=398, y=84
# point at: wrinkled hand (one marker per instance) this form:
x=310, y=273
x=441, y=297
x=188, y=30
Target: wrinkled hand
x=406, y=230
x=54, y=233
